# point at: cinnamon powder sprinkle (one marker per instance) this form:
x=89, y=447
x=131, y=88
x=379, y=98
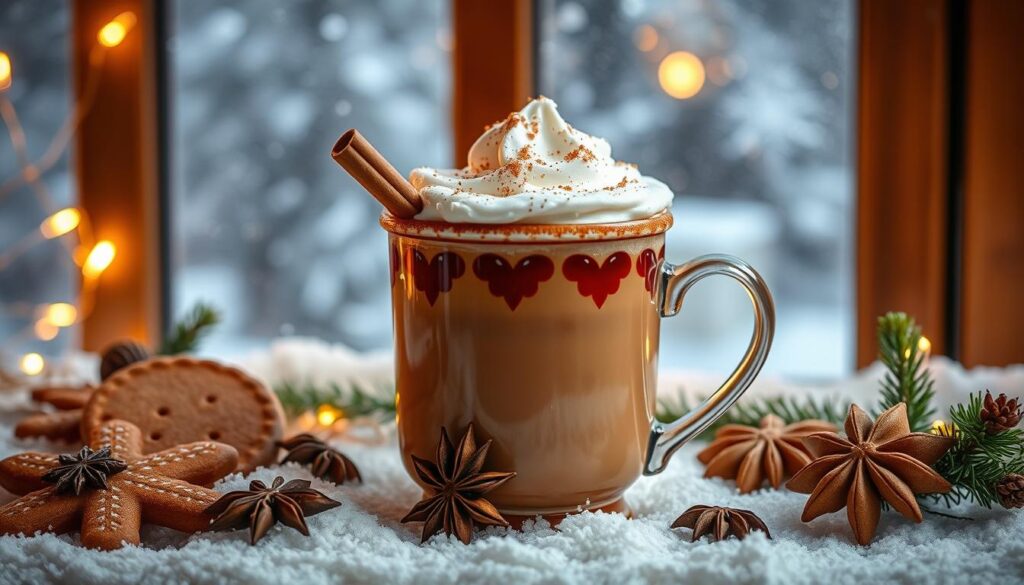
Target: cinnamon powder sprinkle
x=581, y=152
x=621, y=184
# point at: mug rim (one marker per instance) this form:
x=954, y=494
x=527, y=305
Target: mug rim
x=527, y=233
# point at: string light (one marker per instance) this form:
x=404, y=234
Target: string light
x=60, y=223
x=924, y=345
x=114, y=31
x=31, y=364
x=326, y=415
x=944, y=429
x=5, y=71
x=681, y=75
x=99, y=259
x=61, y=315
x=93, y=259
x=45, y=330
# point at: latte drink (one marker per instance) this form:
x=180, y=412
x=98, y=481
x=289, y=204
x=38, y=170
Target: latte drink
x=527, y=297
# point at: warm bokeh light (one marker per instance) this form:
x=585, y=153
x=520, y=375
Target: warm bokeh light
x=719, y=71
x=99, y=259
x=327, y=414
x=943, y=428
x=646, y=38
x=681, y=75
x=924, y=345
x=5, y=71
x=114, y=31
x=61, y=314
x=60, y=223
x=32, y=364
x=45, y=330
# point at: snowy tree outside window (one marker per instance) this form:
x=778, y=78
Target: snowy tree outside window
x=266, y=225
x=759, y=156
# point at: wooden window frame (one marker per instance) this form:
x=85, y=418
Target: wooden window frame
x=121, y=170
x=939, y=198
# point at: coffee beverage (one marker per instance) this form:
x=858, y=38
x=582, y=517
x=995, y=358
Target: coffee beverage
x=527, y=298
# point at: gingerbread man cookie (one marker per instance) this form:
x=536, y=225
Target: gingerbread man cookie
x=62, y=425
x=179, y=400
x=110, y=488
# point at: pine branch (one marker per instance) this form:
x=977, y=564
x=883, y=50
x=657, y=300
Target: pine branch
x=978, y=460
x=354, y=402
x=906, y=379
x=190, y=330
x=750, y=412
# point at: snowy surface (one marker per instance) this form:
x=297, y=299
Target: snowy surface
x=363, y=541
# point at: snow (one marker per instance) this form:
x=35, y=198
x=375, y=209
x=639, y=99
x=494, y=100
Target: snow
x=363, y=541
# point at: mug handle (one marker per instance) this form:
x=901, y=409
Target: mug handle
x=673, y=284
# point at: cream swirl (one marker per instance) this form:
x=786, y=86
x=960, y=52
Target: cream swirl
x=536, y=168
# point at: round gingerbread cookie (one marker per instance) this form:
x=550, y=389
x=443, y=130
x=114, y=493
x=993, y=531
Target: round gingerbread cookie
x=177, y=400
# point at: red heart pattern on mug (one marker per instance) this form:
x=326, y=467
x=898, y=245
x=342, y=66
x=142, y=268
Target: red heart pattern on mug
x=645, y=264
x=594, y=280
x=438, y=275
x=513, y=284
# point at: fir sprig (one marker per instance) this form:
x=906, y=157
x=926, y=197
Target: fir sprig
x=907, y=380
x=750, y=412
x=190, y=330
x=978, y=459
x=355, y=401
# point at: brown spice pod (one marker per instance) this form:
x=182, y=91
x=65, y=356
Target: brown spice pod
x=176, y=400
x=367, y=166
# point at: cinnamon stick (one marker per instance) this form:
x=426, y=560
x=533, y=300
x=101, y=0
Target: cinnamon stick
x=357, y=156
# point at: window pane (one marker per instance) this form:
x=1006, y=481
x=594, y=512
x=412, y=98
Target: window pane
x=35, y=34
x=265, y=225
x=744, y=109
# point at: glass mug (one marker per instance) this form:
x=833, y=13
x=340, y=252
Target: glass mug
x=545, y=337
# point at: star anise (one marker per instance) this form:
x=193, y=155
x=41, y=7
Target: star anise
x=326, y=463
x=261, y=507
x=457, y=486
x=752, y=454
x=719, y=523
x=880, y=460
x=89, y=469
x=999, y=414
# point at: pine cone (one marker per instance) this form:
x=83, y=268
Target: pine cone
x=999, y=414
x=1011, y=491
x=121, y=355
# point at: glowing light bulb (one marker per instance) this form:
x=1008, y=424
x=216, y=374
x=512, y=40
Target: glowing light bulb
x=5, y=71
x=327, y=414
x=114, y=31
x=99, y=259
x=61, y=315
x=45, y=330
x=924, y=345
x=944, y=429
x=32, y=364
x=60, y=223
x=681, y=75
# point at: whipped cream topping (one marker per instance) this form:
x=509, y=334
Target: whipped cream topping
x=535, y=168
